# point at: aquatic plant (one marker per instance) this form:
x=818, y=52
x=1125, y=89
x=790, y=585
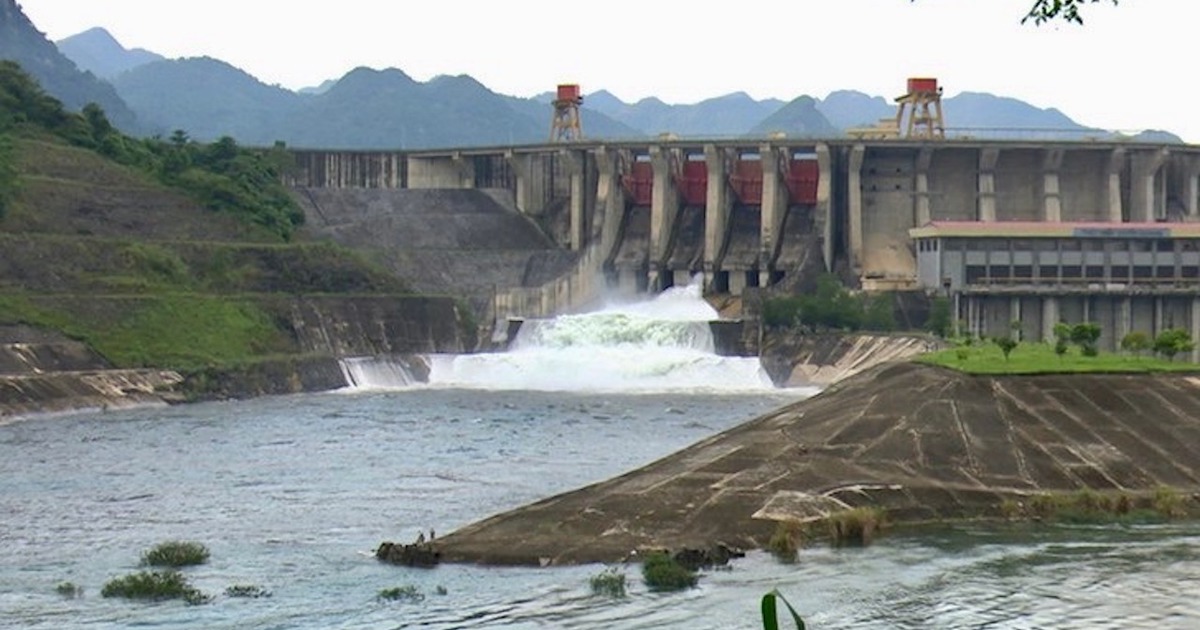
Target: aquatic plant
x=786, y=540
x=407, y=593
x=857, y=526
x=175, y=554
x=252, y=591
x=609, y=583
x=1168, y=503
x=154, y=586
x=69, y=589
x=661, y=572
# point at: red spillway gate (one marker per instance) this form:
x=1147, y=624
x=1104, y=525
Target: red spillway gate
x=801, y=181
x=693, y=183
x=747, y=182
x=639, y=183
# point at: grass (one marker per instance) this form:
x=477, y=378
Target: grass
x=786, y=541
x=857, y=526
x=175, y=554
x=1039, y=358
x=662, y=573
x=1092, y=506
x=154, y=586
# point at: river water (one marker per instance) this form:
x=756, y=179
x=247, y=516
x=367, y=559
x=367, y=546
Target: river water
x=293, y=493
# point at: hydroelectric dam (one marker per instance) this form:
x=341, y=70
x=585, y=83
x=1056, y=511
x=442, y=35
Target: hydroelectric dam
x=1030, y=231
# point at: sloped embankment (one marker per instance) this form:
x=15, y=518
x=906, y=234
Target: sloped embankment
x=921, y=441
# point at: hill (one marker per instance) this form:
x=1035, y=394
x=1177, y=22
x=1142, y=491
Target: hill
x=798, y=119
x=97, y=51
x=21, y=42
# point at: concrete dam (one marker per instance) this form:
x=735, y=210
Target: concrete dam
x=1030, y=231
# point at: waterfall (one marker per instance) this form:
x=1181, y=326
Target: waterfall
x=661, y=345
x=377, y=373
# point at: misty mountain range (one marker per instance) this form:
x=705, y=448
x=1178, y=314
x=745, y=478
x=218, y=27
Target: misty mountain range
x=147, y=94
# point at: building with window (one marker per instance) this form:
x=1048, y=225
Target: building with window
x=1122, y=276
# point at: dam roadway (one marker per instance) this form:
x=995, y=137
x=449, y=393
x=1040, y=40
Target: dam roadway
x=922, y=442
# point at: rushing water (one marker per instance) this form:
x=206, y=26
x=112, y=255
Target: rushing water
x=292, y=493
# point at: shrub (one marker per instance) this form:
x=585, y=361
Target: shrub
x=175, y=554
x=154, y=586
x=69, y=589
x=609, y=583
x=662, y=573
x=1168, y=503
x=408, y=593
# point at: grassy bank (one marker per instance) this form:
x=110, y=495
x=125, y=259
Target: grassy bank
x=1040, y=358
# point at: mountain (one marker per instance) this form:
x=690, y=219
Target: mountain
x=799, y=118
x=21, y=42
x=207, y=98
x=850, y=108
x=727, y=115
x=983, y=115
x=97, y=51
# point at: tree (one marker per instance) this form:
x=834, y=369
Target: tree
x=1062, y=338
x=939, y=316
x=1135, y=342
x=1085, y=335
x=1044, y=11
x=1173, y=341
x=1007, y=344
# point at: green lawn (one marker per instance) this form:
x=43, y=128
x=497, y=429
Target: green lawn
x=1039, y=358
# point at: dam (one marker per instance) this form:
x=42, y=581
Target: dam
x=763, y=213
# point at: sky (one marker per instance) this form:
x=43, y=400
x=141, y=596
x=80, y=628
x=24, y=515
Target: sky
x=1128, y=68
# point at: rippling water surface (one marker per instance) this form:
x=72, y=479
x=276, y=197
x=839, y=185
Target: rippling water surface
x=293, y=493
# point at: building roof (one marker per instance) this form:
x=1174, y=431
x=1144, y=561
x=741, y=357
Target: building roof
x=1049, y=229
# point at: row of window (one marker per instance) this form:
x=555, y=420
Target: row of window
x=1058, y=244
x=985, y=274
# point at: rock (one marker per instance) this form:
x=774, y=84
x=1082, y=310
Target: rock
x=414, y=555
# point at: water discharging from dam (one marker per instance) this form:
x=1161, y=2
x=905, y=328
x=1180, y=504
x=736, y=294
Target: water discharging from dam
x=661, y=345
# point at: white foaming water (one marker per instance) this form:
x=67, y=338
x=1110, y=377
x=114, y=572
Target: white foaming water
x=664, y=344
x=376, y=373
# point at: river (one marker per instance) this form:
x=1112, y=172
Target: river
x=293, y=493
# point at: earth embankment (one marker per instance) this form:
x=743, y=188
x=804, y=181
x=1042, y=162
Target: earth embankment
x=922, y=442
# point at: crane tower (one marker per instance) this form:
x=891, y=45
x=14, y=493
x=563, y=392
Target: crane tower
x=566, y=126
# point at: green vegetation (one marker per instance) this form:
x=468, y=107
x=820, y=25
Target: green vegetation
x=770, y=616
x=69, y=590
x=662, y=573
x=831, y=307
x=786, y=540
x=9, y=183
x=940, y=321
x=175, y=554
x=1136, y=342
x=1091, y=506
x=408, y=593
x=221, y=176
x=154, y=586
x=1042, y=358
x=609, y=583
x=250, y=591
x=1173, y=341
x=856, y=526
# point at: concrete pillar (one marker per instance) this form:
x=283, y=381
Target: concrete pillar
x=1142, y=195
x=1191, y=188
x=922, y=211
x=664, y=207
x=528, y=200
x=824, y=208
x=717, y=205
x=1014, y=315
x=1124, y=319
x=464, y=169
x=857, y=153
x=1196, y=329
x=987, y=184
x=1051, y=196
x=1158, y=317
x=1116, y=164
x=575, y=161
x=611, y=165
x=1050, y=317
x=774, y=209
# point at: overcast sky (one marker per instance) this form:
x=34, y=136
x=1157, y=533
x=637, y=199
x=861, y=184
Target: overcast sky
x=1128, y=68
